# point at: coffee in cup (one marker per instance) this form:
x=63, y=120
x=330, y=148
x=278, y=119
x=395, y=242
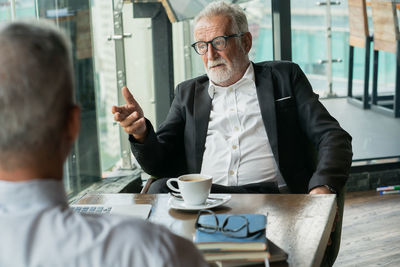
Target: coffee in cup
x=194, y=188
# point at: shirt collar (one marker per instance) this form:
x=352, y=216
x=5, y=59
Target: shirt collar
x=33, y=193
x=248, y=76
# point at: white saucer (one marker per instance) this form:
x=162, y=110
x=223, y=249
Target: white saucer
x=210, y=203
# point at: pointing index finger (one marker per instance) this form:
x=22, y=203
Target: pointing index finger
x=128, y=96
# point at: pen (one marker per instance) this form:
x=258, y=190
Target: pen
x=385, y=188
x=389, y=192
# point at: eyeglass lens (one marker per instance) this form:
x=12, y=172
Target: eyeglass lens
x=218, y=43
x=235, y=225
x=211, y=226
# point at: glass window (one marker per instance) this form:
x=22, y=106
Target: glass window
x=5, y=10
x=260, y=25
x=83, y=165
x=17, y=9
x=309, y=46
x=105, y=83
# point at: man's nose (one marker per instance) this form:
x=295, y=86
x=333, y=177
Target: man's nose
x=211, y=52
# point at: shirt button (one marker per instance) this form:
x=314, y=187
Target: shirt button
x=232, y=109
x=231, y=172
x=230, y=89
x=236, y=128
x=234, y=146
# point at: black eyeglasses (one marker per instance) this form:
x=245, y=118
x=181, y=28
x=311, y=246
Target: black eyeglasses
x=232, y=225
x=219, y=43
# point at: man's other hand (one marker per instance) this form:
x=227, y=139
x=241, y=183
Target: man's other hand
x=320, y=190
x=130, y=116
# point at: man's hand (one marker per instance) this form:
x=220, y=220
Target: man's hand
x=130, y=116
x=324, y=190
x=320, y=190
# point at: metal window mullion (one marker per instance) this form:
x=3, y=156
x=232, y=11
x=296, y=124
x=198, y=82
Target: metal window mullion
x=13, y=11
x=329, y=60
x=77, y=181
x=281, y=29
x=121, y=77
x=36, y=9
x=187, y=49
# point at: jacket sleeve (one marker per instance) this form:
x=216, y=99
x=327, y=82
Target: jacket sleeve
x=333, y=144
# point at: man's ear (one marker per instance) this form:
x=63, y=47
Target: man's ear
x=247, y=42
x=73, y=123
x=71, y=131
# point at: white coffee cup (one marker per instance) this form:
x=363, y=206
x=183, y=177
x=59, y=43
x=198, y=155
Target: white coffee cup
x=194, y=188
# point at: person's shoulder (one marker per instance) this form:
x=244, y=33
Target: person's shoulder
x=279, y=68
x=194, y=81
x=131, y=241
x=121, y=224
x=277, y=64
x=130, y=229
x=154, y=244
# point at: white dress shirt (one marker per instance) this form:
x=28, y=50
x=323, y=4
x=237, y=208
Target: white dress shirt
x=38, y=229
x=237, y=149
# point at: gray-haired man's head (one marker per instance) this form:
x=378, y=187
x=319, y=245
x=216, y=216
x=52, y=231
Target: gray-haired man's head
x=220, y=8
x=36, y=88
x=223, y=41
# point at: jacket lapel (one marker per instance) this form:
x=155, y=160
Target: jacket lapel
x=202, y=109
x=266, y=100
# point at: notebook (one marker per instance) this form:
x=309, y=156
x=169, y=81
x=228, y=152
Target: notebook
x=230, y=251
x=241, y=258
x=219, y=242
x=135, y=210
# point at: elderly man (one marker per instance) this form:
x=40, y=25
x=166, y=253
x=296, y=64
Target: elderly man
x=252, y=126
x=38, y=124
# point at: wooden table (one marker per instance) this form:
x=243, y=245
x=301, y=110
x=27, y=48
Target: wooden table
x=299, y=224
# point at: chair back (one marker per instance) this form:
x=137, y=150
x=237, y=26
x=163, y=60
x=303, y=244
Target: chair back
x=358, y=23
x=386, y=27
x=332, y=251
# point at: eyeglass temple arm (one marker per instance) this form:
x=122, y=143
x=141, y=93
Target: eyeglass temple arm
x=255, y=232
x=207, y=226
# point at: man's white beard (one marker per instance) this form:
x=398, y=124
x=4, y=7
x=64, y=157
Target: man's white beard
x=220, y=74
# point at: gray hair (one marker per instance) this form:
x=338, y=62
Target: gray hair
x=221, y=8
x=36, y=87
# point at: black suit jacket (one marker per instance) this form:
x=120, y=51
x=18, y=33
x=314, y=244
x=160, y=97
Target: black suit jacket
x=310, y=147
